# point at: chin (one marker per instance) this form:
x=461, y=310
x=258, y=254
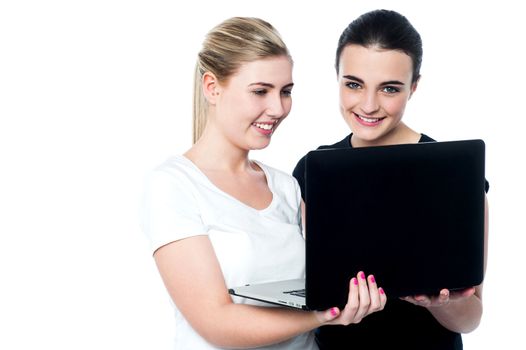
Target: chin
x=369, y=137
x=259, y=145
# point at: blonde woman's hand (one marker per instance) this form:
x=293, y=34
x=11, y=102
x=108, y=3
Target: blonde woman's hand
x=365, y=297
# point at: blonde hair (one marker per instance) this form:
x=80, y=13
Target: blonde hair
x=226, y=47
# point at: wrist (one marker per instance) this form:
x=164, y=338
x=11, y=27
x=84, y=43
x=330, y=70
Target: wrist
x=319, y=318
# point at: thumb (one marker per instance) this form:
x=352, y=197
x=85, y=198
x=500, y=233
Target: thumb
x=327, y=315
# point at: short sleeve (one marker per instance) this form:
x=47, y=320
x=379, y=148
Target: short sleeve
x=169, y=210
x=298, y=199
x=299, y=174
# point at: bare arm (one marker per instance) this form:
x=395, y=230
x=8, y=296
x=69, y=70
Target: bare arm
x=458, y=311
x=190, y=271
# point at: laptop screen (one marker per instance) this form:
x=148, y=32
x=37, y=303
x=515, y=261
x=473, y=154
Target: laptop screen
x=412, y=215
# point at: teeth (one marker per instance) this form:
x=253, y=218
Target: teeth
x=264, y=126
x=369, y=120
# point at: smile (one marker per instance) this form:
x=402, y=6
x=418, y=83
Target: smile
x=264, y=126
x=369, y=120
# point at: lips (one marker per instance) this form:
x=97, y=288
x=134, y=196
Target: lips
x=367, y=120
x=265, y=128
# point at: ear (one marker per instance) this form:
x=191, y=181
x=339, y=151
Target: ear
x=414, y=86
x=210, y=87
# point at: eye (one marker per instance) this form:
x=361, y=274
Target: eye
x=286, y=93
x=391, y=89
x=259, y=92
x=353, y=85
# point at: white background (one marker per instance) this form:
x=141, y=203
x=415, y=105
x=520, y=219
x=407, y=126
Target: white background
x=93, y=94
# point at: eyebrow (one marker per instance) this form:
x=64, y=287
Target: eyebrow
x=269, y=85
x=389, y=82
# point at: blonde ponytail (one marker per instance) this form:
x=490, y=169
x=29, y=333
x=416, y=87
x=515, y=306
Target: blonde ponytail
x=200, y=106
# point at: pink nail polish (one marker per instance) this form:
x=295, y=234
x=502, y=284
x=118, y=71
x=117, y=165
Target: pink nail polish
x=333, y=311
x=372, y=279
x=355, y=281
x=362, y=275
x=381, y=290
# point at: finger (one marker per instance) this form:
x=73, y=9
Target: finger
x=353, y=300
x=407, y=298
x=383, y=298
x=443, y=297
x=347, y=316
x=364, y=297
x=468, y=292
x=422, y=300
x=465, y=293
x=410, y=299
x=374, y=294
x=328, y=315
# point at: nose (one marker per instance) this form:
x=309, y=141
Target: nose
x=277, y=107
x=369, y=104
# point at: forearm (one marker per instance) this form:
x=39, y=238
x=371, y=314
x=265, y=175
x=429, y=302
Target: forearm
x=245, y=326
x=461, y=316
x=191, y=271
x=464, y=315
x=248, y=326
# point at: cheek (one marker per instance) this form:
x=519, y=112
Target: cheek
x=287, y=106
x=240, y=112
x=395, y=107
x=347, y=99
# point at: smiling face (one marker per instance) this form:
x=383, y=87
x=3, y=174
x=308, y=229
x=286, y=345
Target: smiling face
x=254, y=101
x=375, y=85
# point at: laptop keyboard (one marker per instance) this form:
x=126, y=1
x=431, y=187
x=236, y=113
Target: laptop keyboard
x=299, y=292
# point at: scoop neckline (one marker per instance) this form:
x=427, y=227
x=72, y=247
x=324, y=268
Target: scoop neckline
x=217, y=189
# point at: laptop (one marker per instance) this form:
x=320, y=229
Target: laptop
x=411, y=214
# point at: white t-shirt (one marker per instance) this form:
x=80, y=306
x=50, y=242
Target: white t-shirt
x=251, y=245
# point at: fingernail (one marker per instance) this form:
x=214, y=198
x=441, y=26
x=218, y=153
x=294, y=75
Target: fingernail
x=355, y=281
x=381, y=290
x=334, y=312
x=371, y=278
x=362, y=275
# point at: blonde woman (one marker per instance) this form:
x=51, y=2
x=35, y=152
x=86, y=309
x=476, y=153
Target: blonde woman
x=218, y=219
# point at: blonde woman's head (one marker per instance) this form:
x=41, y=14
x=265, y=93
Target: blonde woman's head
x=226, y=47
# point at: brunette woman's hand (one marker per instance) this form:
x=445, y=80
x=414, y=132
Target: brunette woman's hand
x=443, y=298
x=365, y=297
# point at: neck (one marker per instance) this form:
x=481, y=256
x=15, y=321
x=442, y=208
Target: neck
x=213, y=152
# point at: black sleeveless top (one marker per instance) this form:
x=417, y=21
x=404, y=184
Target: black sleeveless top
x=400, y=325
